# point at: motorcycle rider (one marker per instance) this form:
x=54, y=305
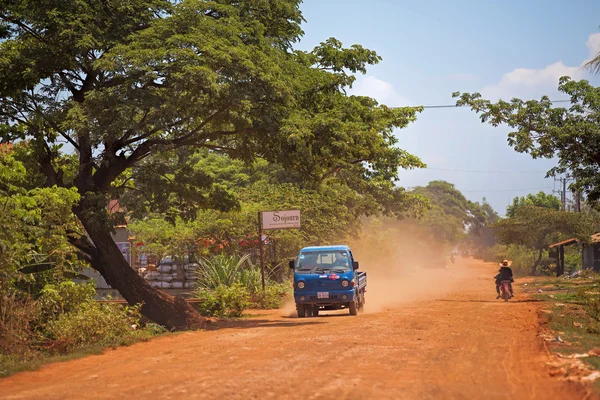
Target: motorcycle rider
x=504, y=274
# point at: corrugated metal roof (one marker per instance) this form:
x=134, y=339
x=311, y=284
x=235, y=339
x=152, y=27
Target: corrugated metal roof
x=595, y=238
x=564, y=243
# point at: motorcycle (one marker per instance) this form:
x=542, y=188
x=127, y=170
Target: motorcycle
x=505, y=290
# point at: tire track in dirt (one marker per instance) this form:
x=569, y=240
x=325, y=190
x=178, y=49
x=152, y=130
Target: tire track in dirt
x=460, y=343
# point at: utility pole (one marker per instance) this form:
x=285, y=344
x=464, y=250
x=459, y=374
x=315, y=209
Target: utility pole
x=563, y=193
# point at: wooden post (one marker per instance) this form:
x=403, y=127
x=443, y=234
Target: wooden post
x=561, y=269
x=261, y=250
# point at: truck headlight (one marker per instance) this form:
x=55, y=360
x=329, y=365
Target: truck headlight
x=301, y=285
x=345, y=283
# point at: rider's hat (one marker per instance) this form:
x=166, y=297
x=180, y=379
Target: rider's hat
x=505, y=263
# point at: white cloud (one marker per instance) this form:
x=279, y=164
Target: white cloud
x=380, y=90
x=533, y=83
x=593, y=45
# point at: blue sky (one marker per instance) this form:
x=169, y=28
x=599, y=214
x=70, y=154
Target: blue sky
x=431, y=48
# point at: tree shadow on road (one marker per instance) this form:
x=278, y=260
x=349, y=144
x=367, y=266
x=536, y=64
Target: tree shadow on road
x=259, y=323
x=492, y=301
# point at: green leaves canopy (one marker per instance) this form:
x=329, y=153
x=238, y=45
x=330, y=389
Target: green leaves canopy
x=124, y=83
x=544, y=131
x=540, y=199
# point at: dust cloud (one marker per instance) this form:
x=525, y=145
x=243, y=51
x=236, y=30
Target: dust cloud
x=403, y=268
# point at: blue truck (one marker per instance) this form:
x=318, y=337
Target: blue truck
x=327, y=278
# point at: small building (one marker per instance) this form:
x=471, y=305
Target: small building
x=590, y=253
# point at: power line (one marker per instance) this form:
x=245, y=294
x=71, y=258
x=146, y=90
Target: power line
x=455, y=106
x=503, y=190
x=485, y=171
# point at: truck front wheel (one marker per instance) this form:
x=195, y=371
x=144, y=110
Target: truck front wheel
x=353, y=308
x=301, y=310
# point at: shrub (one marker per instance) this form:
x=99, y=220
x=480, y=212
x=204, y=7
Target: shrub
x=273, y=296
x=17, y=318
x=65, y=297
x=592, y=306
x=228, y=270
x=94, y=323
x=223, y=301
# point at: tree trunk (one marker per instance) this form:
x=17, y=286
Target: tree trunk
x=172, y=312
x=536, y=263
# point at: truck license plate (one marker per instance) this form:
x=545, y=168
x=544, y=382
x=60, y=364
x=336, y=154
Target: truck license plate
x=322, y=295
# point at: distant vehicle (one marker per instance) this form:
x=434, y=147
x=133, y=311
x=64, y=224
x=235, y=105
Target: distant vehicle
x=327, y=278
x=505, y=290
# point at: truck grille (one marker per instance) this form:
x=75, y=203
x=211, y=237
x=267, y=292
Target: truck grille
x=331, y=298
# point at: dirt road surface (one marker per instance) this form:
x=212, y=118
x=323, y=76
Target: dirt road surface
x=439, y=335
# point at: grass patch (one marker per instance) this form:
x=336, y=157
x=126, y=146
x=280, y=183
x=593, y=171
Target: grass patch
x=575, y=317
x=32, y=360
x=12, y=364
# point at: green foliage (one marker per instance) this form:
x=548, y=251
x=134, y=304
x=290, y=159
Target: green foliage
x=451, y=213
x=135, y=86
x=228, y=270
x=330, y=212
x=18, y=317
x=94, y=323
x=223, y=301
x=220, y=276
x=539, y=227
x=545, y=131
x=272, y=297
x=65, y=297
x=521, y=257
x=540, y=199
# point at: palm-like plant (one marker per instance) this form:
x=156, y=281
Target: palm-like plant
x=594, y=64
x=227, y=270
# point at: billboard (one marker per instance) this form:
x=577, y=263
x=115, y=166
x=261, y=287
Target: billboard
x=281, y=219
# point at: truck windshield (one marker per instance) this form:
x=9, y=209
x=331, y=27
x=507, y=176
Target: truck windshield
x=322, y=261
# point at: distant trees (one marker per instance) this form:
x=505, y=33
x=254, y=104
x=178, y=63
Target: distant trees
x=540, y=199
x=536, y=228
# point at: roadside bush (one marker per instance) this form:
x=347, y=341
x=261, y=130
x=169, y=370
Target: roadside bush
x=223, y=301
x=273, y=297
x=228, y=270
x=17, y=320
x=522, y=257
x=592, y=305
x=65, y=297
x=94, y=323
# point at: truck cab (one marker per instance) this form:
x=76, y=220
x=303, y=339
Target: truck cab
x=327, y=278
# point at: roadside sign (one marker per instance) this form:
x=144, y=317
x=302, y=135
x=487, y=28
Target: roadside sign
x=280, y=219
x=274, y=220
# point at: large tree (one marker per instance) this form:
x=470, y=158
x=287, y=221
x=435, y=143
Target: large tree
x=124, y=83
x=540, y=199
x=539, y=227
x=451, y=214
x=545, y=131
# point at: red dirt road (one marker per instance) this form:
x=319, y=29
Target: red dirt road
x=457, y=344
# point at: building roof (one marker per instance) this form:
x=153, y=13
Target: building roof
x=564, y=243
x=595, y=238
x=325, y=248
